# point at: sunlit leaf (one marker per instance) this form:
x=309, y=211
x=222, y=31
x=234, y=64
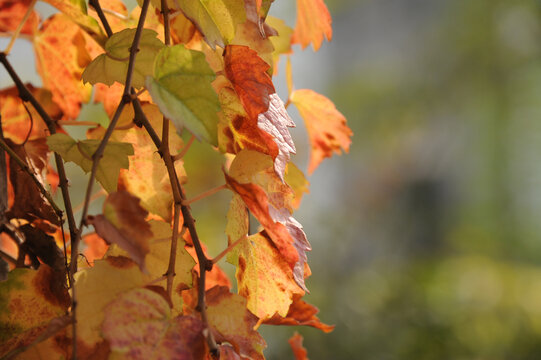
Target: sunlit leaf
x=299, y=351
x=76, y=11
x=115, y=157
x=61, y=56
x=326, y=126
x=298, y=183
x=313, y=23
x=282, y=41
x=264, y=278
x=215, y=19
x=181, y=86
x=113, y=65
x=233, y=323
x=301, y=313
x=12, y=13
x=30, y=299
x=139, y=325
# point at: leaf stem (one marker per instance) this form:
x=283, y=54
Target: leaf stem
x=20, y=27
x=185, y=149
x=204, y=195
x=228, y=249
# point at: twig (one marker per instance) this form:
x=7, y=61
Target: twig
x=228, y=249
x=94, y=197
x=76, y=123
x=96, y=5
x=204, y=195
x=3, y=179
x=24, y=166
x=115, y=14
x=20, y=27
x=96, y=157
x=185, y=149
x=26, y=95
x=8, y=257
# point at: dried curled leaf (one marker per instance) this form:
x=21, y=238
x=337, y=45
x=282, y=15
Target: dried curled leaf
x=301, y=313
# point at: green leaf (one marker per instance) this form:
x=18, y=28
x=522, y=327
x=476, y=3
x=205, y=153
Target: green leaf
x=76, y=10
x=181, y=87
x=115, y=157
x=216, y=19
x=113, y=65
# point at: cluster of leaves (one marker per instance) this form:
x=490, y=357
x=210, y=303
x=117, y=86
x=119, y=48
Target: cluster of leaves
x=146, y=287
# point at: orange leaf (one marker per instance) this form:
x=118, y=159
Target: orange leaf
x=299, y=351
x=301, y=313
x=248, y=74
x=115, y=22
x=95, y=249
x=17, y=123
x=233, y=323
x=61, y=58
x=11, y=14
x=313, y=22
x=124, y=224
x=326, y=126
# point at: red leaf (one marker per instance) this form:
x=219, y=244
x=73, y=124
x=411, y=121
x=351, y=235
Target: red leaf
x=248, y=74
x=301, y=313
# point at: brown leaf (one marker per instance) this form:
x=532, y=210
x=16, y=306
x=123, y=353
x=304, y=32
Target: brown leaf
x=299, y=351
x=28, y=202
x=300, y=313
x=38, y=243
x=11, y=14
x=248, y=74
x=124, y=224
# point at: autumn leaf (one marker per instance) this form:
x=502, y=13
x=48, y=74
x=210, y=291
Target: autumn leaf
x=301, y=313
x=248, y=74
x=138, y=325
x=116, y=14
x=326, y=126
x=264, y=278
x=181, y=87
x=281, y=41
x=29, y=203
x=28, y=303
x=252, y=177
x=12, y=13
x=248, y=34
x=182, y=29
x=216, y=20
x=95, y=248
x=76, y=11
x=147, y=175
x=298, y=183
x=124, y=224
x=110, y=97
x=313, y=23
x=299, y=351
x=96, y=287
x=61, y=57
x=115, y=157
x=113, y=65
x=233, y=323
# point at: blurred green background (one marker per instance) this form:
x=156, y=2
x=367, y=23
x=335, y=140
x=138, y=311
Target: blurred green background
x=426, y=236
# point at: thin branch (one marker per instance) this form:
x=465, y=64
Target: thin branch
x=166, y=27
x=3, y=179
x=26, y=95
x=93, y=198
x=8, y=257
x=204, y=195
x=20, y=27
x=96, y=157
x=76, y=123
x=115, y=14
x=228, y=249
x=96, y=5
x=24, y=166
x=185, y=149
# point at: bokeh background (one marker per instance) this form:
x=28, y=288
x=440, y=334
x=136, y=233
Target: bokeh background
x=427, y=235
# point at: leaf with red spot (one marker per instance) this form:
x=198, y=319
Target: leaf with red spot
x=233, y=323
x=138, y=325
x=313, y=23
x=30, y=300
x=299, y=351
x=124, y=224
x=60, y=65
x=326, y=126
x=300, y=313
x=12, y=13
x=248, y=74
